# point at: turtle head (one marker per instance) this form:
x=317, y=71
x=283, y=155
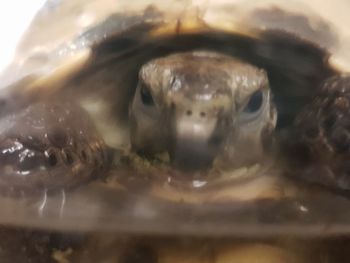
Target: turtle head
x=202, y=106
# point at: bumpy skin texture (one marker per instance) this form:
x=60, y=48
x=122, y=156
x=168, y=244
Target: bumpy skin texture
x=199, y=106
x=320, y=144
x=49, y=146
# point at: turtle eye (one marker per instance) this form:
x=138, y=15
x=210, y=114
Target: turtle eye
x=146, y=96
x=255, y=102
x=254, y=106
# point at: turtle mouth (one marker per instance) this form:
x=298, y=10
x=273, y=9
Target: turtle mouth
x=192, y=154
x=195, y=144
x=241, y=184
x=215, y=177
x=191, y=162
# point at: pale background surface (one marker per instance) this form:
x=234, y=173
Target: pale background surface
x=14, y=18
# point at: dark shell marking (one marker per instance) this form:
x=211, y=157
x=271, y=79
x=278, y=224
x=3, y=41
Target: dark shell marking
x=49, y=146
x=321, y=136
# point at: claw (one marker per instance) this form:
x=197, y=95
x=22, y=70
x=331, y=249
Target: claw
x=49, y=146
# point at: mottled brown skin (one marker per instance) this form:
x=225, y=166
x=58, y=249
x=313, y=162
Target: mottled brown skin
x=202, y=106
x=49, y=146
x=319, y=147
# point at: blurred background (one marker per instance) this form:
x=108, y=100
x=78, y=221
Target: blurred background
x=14, y=18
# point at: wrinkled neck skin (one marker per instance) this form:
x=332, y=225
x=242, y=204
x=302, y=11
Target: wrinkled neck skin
x=206, y=110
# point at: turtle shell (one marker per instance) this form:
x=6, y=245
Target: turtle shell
x=107, y=43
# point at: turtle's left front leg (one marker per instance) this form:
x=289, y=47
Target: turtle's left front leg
x=319, y=148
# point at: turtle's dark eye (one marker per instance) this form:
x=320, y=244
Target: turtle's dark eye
x=255, y=102
x=146, y=95
x=254, y=107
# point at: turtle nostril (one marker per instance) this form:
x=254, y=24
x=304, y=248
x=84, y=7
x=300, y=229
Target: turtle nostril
x=202, y=114
x=188, y=112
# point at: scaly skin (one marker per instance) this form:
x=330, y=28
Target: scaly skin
x=202, y=106
x=320, y=141
x=49, y=146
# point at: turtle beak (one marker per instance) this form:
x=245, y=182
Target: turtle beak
x=197, y=139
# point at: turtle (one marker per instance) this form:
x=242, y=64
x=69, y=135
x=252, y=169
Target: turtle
x=202, y=120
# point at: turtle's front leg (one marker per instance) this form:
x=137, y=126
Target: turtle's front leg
x=49, y=146
x=320, y=145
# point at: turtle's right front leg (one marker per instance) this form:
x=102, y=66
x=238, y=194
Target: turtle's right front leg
x=49, y=146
